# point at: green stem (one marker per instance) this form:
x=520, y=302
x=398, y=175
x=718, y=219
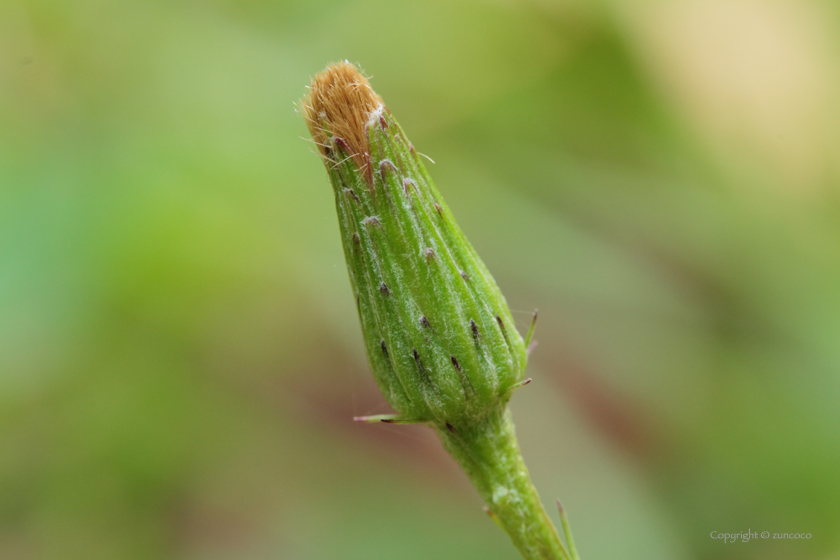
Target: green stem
x=489, y=453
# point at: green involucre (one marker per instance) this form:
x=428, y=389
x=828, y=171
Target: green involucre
x=439, y=335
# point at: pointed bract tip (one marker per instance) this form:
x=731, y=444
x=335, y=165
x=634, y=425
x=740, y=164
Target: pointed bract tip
x=338, y=105
x=532, y=347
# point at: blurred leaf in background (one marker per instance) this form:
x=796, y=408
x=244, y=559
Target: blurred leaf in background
x=179, y=353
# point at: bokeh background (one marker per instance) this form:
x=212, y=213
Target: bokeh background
x=180, y=357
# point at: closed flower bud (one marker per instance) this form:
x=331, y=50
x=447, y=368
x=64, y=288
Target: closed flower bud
x=439, y=335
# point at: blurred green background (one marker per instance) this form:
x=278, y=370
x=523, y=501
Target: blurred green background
x=180, y=356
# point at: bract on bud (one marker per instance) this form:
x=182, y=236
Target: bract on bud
x=439, y=335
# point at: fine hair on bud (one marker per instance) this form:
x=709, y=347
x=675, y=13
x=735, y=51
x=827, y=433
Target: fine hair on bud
x=338, y=105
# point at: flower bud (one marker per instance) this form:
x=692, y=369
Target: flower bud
x=438, y=333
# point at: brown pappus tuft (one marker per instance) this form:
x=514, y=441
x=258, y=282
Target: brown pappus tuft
x=338, y=106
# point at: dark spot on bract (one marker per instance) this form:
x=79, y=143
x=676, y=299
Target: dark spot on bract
x=352, y=194
x=421, y=369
